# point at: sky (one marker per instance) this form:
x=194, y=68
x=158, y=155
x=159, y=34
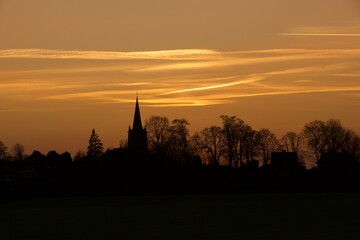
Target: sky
x=67, y=67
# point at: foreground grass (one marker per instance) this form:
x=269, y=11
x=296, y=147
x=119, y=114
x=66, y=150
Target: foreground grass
x=253, y=216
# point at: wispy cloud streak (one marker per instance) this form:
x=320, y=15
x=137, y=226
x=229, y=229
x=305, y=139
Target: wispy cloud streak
x=178, y=78
x=184, y=54
x=322, y=34
x=350, y=30
x=240, y=60
x=255, y=79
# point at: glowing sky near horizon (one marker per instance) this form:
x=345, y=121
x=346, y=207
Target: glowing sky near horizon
x=69, y=66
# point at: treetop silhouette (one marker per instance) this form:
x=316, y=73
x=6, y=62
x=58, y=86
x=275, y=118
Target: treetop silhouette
x=95, y=147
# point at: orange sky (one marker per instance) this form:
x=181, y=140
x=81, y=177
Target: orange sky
x=69, y=66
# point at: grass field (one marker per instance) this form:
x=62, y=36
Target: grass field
x=248, y=216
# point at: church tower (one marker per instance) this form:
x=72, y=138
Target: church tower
x=137, y=138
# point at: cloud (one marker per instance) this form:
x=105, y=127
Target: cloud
x=174, y=60
x=236, y=59
x=215, y=99
x=250, y=80
x=304, y=91
x=322, y=34
x=351, y=75
x=349, y=30
x=182, y=102
x=183, y=54
x=176, y=78
x=100, y=94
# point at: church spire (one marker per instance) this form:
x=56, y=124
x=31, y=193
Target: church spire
x=137, y=138
x=137, y=118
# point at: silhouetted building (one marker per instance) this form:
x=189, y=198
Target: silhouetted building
x=137, y=138
x=284, y=163
x=342, y=163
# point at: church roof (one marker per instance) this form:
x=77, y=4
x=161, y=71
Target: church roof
x=137, y=118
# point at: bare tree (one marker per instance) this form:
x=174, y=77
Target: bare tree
x=315, y=137
x=243, y=140
x=250, y=144
x=18, y=152
x=352, y=143
x=211, y=142
x=179, y=140
x=328, y=137
x=334, y=136
x=291, y=142
x=3, y=151
x=267, y=143
x=230, y=138
x=158, y=131
x=195, y=146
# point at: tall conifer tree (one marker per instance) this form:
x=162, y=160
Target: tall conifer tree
x=95, y=148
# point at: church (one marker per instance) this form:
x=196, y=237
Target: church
x=137, y=135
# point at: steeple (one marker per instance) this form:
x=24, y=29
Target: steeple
x=137, y=118
x=137, y=138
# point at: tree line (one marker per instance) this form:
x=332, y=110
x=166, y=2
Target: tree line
x=229, y=158
x=235, y=143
